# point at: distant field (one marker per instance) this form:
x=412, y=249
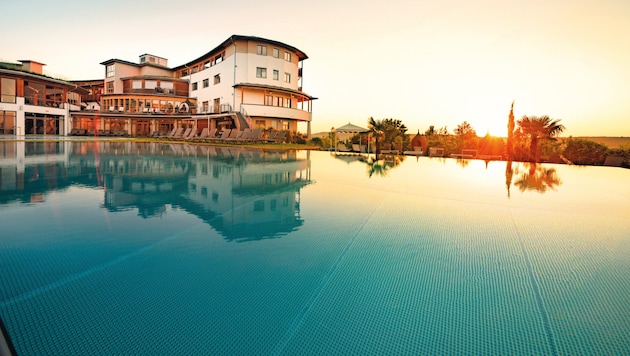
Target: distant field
x=610, y=142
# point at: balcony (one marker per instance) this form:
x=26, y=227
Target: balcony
x=277, y=112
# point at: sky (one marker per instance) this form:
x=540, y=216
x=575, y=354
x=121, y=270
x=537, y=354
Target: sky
x=424, y=62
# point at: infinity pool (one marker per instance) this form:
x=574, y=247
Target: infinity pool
x=138, y=248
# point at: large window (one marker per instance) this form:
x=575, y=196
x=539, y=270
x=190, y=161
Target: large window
x=194, y=86
x=276, y=53
x=261, y=50
x=7, y=122
x=205, y=83
x=110, y=71
x=287, y=78
x=287, y=56
x=276, y=74
x=261, y=72
x=150, y=84
x=7, y=90
x=136, y=84
x=110, y=88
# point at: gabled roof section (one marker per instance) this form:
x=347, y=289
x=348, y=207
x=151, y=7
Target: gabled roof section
x=301, y=55
x=116, y=60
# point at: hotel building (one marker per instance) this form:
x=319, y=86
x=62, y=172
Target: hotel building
x=245, y=82
x=32, y=103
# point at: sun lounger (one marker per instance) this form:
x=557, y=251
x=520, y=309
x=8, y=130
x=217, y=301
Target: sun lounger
x=387, y=150
x=279, y=138
x=342, y=148
x=172, y=133
x=202, y=135
x=191, y=134
x=233, y=135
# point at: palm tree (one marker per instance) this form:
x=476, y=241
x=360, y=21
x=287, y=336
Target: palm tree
x=538, y=128
x=377, y=129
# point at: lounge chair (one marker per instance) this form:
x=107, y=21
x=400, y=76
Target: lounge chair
x=223, y=134
x=233, y=135
x=279, y=137
x=185, y=134
x=170, y=134
x=387, y=150
x=272, y=136
x=202, y=135
x=255, y=136
x=342, y=148
x=417, y=151
x=191, y=134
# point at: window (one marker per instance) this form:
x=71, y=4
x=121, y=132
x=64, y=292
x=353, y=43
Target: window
x=7, y=90
x=7, y=122
x=268, y=100
x=276, y=53
x=110, y=87
x=276, y=74
x=261, y=50
x=204, y=106
x=110, y=71
x=261, y=72
x=136, y=84
x=194, y=86
x=184, y=73
x=217, y=79
x=194, y=69
x=287, y=56
x=150, y=84
x=206, y=65
x=287, y=78
x=260, y=124
x=206, y=83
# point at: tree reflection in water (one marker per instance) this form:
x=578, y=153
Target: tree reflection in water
x=381, y=164
x=532, y=177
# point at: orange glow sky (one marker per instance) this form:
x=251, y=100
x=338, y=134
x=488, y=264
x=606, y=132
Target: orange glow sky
x=431, y=62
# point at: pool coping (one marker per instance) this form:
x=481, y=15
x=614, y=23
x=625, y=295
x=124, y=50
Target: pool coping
x=6, y=347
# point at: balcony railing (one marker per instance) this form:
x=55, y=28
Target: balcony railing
x=157, y=91
x=36, y=101
x=215, y=109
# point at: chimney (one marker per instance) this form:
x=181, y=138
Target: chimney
x=32, y=66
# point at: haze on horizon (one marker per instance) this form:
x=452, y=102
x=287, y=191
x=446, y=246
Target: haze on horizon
x=435, y=62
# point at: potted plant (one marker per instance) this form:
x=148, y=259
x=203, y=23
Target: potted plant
x=132, y=105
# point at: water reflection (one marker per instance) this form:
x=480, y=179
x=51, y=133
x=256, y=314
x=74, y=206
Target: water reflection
x=377, y=165
x=531, y=176
x=244, y=194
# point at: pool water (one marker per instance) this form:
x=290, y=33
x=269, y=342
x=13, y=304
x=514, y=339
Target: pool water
x=138, y=248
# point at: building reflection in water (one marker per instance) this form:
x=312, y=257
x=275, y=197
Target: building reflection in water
x=244, y=194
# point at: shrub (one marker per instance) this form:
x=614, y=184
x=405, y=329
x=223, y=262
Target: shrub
x=585, y=152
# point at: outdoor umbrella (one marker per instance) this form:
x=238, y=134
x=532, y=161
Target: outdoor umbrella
x=351, y=128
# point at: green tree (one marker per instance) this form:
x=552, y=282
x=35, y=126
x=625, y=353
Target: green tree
x=388, y=130
x=539, y=128
x=467, y=136
x=377, y=129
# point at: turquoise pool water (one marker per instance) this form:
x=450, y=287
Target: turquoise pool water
x=125, y=248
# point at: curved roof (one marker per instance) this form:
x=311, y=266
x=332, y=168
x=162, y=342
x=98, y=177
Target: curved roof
x=301, y=55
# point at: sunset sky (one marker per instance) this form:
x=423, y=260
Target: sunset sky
x=432, y=62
